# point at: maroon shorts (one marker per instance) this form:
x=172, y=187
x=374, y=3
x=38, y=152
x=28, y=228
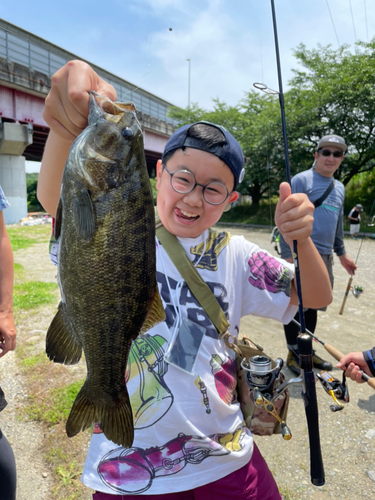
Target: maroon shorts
x=254, y=481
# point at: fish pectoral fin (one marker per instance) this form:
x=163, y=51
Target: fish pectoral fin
x=58, y=220
x=115, y=417
x=155, y=315
x=83, y=215
x=60, y=344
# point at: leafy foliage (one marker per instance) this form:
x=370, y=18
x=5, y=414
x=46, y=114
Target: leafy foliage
x=33, y=204
x=334, y=92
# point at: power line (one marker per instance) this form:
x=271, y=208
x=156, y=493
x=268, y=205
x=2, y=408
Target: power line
x=351, y=11
x=333, y=24
x=366, y=19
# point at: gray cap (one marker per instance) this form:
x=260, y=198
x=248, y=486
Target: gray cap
x=359, y=207
x=332, y=140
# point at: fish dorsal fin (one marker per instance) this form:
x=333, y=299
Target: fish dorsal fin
x=155, y=315
x=83, y=215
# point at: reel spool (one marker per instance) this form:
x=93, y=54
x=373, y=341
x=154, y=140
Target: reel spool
x=357, y=290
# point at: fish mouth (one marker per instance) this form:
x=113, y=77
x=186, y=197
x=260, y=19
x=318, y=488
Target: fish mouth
x=186, y=216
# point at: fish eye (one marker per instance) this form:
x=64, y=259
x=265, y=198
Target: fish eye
x=127, y=132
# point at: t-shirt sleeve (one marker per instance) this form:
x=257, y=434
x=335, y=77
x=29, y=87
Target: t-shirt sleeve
x=370, y=359
x=3, y=201
x=267, y=283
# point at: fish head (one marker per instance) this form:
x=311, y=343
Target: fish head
x=106, y=150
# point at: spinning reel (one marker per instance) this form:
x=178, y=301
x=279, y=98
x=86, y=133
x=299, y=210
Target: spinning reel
x=336, y=389
x=261, y=378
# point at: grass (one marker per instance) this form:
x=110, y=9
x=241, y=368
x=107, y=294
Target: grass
x=56, y=404
x=33, y=294
x=25, y=236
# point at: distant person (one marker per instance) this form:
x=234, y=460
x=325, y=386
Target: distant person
x=327, y=194
x=353, y=362
x=7, y=343
x=355, y=219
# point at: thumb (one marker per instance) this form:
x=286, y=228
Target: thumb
x=284, y=191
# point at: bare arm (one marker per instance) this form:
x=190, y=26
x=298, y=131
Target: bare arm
x=66, y=111
x=294, y=218
x=7, y=325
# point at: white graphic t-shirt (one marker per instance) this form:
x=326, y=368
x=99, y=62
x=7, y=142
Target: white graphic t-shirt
x=189, y=429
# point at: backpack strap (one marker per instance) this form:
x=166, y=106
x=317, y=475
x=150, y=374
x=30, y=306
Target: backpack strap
x=320, y=200
x=193, y=279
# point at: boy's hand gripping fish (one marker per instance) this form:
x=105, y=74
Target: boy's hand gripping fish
x=107, y=265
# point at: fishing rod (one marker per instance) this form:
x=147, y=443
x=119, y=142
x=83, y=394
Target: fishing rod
x=304, y=340
x=358, y=290
x=338, y=355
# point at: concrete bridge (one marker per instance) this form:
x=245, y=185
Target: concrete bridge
x=27, y=63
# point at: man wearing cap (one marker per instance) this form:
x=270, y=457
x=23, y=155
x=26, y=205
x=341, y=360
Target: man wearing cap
x=328, y=195
x=355, y=218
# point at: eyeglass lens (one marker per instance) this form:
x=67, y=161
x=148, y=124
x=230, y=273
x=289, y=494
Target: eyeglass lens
x=184, y=182
x=327, y=152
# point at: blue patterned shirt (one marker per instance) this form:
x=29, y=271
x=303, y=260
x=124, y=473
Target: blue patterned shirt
x=3, y=201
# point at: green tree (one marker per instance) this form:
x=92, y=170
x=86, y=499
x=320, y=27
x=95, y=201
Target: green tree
x=334, y=93
x=33, y=204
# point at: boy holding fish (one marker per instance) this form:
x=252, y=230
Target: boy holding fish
x=190, y=440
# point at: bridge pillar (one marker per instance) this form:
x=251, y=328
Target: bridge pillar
x=14, y=139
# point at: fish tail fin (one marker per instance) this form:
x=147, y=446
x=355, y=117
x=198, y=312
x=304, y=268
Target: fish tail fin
x=116, y=417
x=117, y=421
x=60, y=344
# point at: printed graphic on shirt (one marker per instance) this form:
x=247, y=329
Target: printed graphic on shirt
x=193, y=309
x=213, y=246
x=202, y=387
x=150, y=397
x=269, y=274
x=225, y=375
x=133, y=470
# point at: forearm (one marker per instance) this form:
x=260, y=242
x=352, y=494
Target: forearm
x=6, y=276
x=338, y=245
x=55, y=155
x=315, y=283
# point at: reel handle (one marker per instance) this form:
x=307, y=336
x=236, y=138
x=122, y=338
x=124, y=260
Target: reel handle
x=339, y=355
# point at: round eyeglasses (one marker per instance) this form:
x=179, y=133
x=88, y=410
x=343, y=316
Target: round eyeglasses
x=183, y=181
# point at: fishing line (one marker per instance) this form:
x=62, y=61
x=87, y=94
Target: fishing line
x=333, y=24
x=148, y=59
x=351, y=12
x=368, y=224
x=366, y=19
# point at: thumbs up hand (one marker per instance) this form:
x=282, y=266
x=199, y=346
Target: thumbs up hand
x=294, y=215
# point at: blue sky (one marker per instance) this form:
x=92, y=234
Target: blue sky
x=230, y=43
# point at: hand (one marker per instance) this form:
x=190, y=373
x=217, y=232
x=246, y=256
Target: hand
x=7, y=333
x=294, y=215
x=348, y=263
x=67, y=104
x=352, y=363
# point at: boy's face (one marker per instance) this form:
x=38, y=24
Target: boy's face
x=189, y=215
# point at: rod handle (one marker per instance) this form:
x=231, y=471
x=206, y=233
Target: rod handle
x=346, y=294
x=339, y=355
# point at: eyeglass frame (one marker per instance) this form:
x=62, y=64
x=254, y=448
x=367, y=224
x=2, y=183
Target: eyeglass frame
x=331, y=153
x=203, y=186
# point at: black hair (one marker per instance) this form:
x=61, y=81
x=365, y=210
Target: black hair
x=209, y=135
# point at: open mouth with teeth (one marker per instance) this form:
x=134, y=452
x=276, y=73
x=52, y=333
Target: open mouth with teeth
x=186, y=216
